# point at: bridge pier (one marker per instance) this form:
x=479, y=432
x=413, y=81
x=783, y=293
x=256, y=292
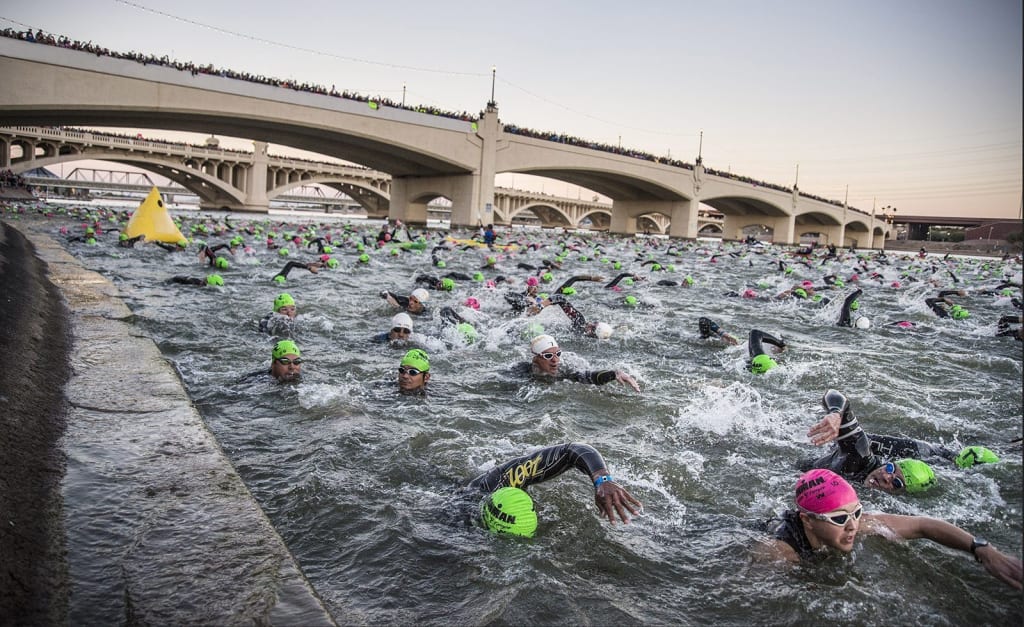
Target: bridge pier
x=256, y=183
x=410, y=195
x=684, y=216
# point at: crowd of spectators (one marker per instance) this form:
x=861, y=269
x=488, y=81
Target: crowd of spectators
x=9, y=179
x=64, y=42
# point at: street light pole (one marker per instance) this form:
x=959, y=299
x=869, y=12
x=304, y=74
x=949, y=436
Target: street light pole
x=403, y=95
x=494, y=77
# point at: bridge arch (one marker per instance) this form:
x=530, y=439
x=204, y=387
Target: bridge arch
x=548, y=214
x=375, y=201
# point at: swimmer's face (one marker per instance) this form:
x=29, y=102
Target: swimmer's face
x=399, y=334
x=547, y=362
x=288, y=310
x=286, y=368
x=415, y=305
x=887, y=478
x=411, y=380
x=830, y=532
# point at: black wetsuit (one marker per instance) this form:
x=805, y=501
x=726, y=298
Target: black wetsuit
x=754, y=342
x=187, y=280
x=579, y=321
x=844, y=315
x=596, y=377
x=276, y=324
x=291, y=265
x=852, y=457
x=791, y=531
x=539, y=466
x=131, y=241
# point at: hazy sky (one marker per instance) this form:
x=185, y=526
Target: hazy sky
x=915, y=104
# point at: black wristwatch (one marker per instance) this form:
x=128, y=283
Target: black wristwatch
x=976, y=544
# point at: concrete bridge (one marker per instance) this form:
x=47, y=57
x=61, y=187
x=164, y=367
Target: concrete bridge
x=427, y=156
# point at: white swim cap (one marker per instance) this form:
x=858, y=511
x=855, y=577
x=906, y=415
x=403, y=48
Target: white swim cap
x=421, y=294
x=542, y=343
x=603, y=330
x=863, y=322
x=401, y=321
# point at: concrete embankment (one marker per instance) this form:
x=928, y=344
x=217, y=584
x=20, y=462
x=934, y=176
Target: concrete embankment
x=117, y=505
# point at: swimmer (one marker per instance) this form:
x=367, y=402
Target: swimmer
x=414, y=303
x=545, y=366
x=709, y=327
x=285, y=363
x=852, y=304
x=209, y=281
x=829, y=516
x=176, y=247
x=291, y=265
x=580, y=326
x=858, y=459
x=414, y=373
x=1005, y=330
x=508, y=508
x=401, y=330
x=129, y=242
x=760, y=362
x=281, y=317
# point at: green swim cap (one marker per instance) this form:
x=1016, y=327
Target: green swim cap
x=123, y=237
x=509, y=510
x=816, y=298
x=547, y=277
x=801, y=292
x=280, y=278
x=364, y=258
x=441, y=263
x=918, y=475
x=975, y=455
x=447, y=284
x=285, y=347
x=283, y=300
x=855, y=305
x=604, y=260
x=789, y=270
x=221, y=263
x=1007, y=291
x=478, y=276
x=617, y=265
x=360, y=247
x=395, y=252
x=631, y=300
x=671, y=268
x=688, y=280
x=214, y=279
x=762, y=363
x=183, y=243
x=959, y=313
x=467, y=331
x=492, y=260
x=656, y=266
x=91, y=241
x=569, y=291
x=328, y=250
x=332, y=263
x=90, y=231
x=584, y=258
x=839, y=283
x=627, y=281
x=417, y=358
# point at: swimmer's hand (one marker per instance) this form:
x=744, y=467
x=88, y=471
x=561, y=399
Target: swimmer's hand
x=730, y=339
x=825, y=430
x=622, y=377
x=1003, y=567
x=612, y=499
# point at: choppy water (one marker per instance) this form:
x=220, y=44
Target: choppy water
x=359, y=480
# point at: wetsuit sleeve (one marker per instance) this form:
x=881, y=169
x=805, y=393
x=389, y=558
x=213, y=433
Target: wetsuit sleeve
x=166, y=246
x=403, y=301
x=852, y=441
x=458, y=276
x=616, y=280
x=844, y=315
x=449, y=316
x=754, y=342
x=945, y=293
x=187, y=280
x=939, y=310
x=291, y=265
x=596, y=377
x=428, y=280
x=570, y=281
x=579, y=321
x=541, y=466
x=519, y=302
x=891, y=447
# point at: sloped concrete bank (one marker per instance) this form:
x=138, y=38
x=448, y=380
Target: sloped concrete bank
x=117, y=504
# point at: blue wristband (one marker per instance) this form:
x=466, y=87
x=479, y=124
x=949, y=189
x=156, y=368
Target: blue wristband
x=602, y=479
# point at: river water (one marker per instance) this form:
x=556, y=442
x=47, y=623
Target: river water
x=361, y=482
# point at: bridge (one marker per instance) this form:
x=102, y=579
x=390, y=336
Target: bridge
x=426, y=156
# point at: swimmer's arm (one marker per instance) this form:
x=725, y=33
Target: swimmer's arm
x=775, y=550
x=825, y=430
x=1004, y=567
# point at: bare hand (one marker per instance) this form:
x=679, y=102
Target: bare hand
x=825, y=430
x=622, y=377
x=612, y=499
x=1001, y=566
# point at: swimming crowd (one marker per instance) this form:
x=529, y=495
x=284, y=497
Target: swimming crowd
x=827, y=516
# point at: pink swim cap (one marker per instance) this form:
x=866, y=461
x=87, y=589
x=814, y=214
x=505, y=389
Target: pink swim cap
x=854, y=277
x=490, y=283
x=895, y=284
x=749, y=293
x=472, y=302
x=325, y=257
x=820, y=491
x=531, y=281
x=806, y=284
x=616, y=288
x=905, y=324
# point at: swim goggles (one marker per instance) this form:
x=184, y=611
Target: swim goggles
x=550, y=356
x=284, y=361
x=897, y=483
x=401, y=330
x=839, y=520
x=412, y=372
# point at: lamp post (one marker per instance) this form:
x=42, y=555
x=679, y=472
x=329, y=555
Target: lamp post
x=494, y=77
x=403, y=95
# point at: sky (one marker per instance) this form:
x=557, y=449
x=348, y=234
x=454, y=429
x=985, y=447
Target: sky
x=914, y=104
